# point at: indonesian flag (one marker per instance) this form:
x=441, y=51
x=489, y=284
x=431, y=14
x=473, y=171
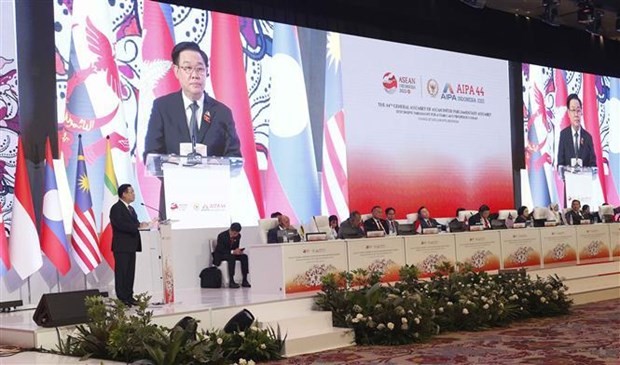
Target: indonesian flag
x=5, y=261
x=110, y=196
x=24, y=249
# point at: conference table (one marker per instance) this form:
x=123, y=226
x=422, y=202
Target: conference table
x=298, y=267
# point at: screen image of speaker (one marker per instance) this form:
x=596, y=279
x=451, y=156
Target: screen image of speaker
x=62, y=309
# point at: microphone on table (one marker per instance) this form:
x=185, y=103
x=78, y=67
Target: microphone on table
x=316, y=224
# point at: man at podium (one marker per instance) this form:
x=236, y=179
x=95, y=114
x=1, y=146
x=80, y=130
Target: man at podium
x=190, y=115
x=575, y=142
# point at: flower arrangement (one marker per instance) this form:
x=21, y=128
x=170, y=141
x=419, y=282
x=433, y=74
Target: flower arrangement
x=453, y=299
x=114, y=334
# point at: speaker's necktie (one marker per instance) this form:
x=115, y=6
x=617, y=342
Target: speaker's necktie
x=193, y=122
x=576, y=144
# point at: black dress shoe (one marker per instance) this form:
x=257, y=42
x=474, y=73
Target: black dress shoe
x=127, y=303
x=233, y=285
x=246, y=284
x=133, y=301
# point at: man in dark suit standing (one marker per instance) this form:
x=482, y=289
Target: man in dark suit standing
x=227, y=249
x=376, y=222
x=575, y=142
x=190, y=114
x=125, y=243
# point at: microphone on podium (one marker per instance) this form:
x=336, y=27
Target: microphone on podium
x=155, y=209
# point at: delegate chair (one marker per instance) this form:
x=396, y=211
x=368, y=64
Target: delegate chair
x=264, y=225
x=412, y=217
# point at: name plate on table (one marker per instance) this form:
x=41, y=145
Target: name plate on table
x=316, y=236
x=373, y=234
x=476, y=228
x=518, y=225
x=434, y=230
x=551, y=223
x=585, y=221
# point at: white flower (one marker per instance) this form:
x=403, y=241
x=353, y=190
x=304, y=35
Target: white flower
x=404, y=326
x=416, y=335
x=440, y=309
x=449, y=304
x=484, y=299
x=251, y=362
x=242, y=361
x=263, y=346
x=465, y=311
x=242, y=334
x=359, y=316
x=355, y=320
x=486, y=306
x=416, y=320
x=403, y=320
x=219, y=341
x=538, y=292
x=543, y=299
x=390, y=326
x=357, y=308
x=380, y=326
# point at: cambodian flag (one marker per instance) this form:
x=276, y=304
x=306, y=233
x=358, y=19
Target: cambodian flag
x=334, y=180
x=53, y=239
x=292, y=182
x=84, y=239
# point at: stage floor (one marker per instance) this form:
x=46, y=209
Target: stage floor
x=186, y=301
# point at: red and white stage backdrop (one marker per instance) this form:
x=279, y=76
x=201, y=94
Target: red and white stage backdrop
x=545, y=90
x=402, y=126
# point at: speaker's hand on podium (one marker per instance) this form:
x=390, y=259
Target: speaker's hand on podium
x=144, y=225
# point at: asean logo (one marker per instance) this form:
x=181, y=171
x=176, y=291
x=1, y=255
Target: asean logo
x=432, y=87
x=390, y=84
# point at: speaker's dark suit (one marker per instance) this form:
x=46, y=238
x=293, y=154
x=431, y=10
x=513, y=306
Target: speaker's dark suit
x=573, y=217
x=566, y=148
x=371, y=225
x=168, y=126
x=223, y=252
x=125, y=243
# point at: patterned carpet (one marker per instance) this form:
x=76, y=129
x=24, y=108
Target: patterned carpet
x=590, y=335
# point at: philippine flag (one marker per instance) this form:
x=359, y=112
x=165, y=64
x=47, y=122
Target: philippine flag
x=53, y=239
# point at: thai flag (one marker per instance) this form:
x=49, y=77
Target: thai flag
x=229, y=86
x=53, y=239
x=292, y=182
x=5, y=260
x=24, y=248
x=334, y=180
x=84, y=238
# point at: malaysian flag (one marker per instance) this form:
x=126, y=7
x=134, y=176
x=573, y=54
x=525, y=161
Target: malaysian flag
x=53, y=239
x=84, y=237
x=334, y=181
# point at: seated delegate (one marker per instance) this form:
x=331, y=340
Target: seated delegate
x=284, y=228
